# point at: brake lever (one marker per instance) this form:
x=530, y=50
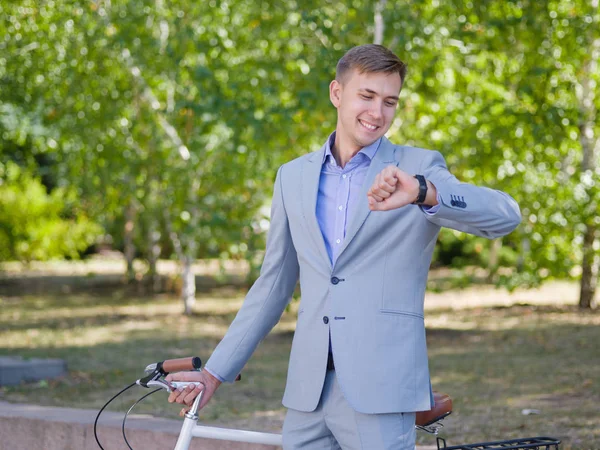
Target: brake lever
x=170, y=386
x=158, y=383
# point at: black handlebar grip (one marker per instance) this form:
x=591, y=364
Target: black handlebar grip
x=177, y=365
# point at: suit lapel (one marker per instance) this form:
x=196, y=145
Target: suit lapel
x=311, y=173
x=383, y=158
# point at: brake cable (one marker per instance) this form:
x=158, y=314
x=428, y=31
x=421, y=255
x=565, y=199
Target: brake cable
x=153, y=372
x=129, y=410
x=100, y=412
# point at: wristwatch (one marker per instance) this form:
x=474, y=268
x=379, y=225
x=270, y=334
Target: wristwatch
x=422, y=190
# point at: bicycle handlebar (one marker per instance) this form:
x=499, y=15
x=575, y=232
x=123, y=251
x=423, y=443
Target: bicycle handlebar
x=154, y=372
x=180, y=364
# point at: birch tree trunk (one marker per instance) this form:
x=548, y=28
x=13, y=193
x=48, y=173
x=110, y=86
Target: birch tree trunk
x=128, y=240
x=590, y=143
x=524, y=251
x=589, y=270
x=188, y=279
x=153, y=255
x=188, y=290
x=495, y=247
x=379, y=23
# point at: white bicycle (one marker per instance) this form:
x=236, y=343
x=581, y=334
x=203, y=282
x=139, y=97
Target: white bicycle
x=428, y=421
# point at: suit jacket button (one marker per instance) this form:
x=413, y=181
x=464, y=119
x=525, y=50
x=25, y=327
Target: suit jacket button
x=453, y=203
x=335, y=280
x=325, y=320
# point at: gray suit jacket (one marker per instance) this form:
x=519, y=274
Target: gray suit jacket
x=371, y=300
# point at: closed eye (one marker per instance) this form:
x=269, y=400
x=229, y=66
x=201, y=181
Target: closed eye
x=366, y=97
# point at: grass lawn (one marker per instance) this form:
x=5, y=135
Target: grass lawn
x=494, y=361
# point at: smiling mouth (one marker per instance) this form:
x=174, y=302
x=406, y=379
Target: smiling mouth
x=368, y=126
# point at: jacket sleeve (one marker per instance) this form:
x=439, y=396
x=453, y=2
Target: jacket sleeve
x=265, y=302
x=473, y=209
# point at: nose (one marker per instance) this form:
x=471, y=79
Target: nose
x=376, y=112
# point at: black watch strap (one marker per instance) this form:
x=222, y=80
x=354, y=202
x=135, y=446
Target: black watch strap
x=422, y=190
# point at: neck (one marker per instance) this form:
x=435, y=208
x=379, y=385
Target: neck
x=343, y=151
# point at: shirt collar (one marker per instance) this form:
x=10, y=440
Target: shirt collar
x=369, y=151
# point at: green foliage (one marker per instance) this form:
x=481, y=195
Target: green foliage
x=32, y=222
x=497, y=87
x=459, y=250
x=186, y=109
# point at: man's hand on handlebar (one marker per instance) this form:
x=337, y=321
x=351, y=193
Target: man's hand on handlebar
x=186, y=396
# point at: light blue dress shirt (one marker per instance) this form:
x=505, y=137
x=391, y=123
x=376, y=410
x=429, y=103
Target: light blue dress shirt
x=339, y=190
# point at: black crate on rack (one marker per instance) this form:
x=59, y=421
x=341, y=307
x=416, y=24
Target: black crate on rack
x=534, y=443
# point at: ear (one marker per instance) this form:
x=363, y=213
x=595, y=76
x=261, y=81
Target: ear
x=335, y=93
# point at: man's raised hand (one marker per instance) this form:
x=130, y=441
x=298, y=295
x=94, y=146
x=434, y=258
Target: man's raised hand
x=392, y=188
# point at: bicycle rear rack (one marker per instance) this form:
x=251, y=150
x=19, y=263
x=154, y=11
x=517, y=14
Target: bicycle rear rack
x=534, y=443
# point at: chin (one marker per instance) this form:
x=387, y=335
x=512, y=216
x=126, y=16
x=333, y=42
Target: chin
x=365, y=141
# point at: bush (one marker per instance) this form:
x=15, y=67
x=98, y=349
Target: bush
x=456, y=249
x=33, y=223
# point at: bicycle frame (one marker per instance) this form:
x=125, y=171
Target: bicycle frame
x=191, y=429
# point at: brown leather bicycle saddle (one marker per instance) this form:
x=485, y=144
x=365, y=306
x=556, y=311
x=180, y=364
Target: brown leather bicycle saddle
x=441, y=408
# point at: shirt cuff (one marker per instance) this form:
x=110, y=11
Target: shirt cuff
x=216, y=375
x=431, y=210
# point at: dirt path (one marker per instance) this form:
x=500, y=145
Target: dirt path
x=551, y=293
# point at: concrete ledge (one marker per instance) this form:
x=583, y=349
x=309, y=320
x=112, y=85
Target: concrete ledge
x=15, y=369
x=40, y=427
x=35, y=427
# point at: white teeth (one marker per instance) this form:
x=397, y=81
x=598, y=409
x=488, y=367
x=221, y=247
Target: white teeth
x=368, y=126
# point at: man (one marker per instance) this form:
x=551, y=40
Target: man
x=357, y=223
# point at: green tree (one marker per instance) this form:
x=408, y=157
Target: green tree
x=506, y=90
x=34, y=225
x=170, y=120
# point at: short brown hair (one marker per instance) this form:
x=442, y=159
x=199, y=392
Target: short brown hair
x=369, y=58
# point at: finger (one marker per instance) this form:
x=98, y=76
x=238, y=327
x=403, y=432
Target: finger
x=375, y=183
x=177, y=395
x=375, y=197
x=182, y=394
x=183, y=411
x=389, y=175
x=380, y=206
x=185, y=394
x=381, y=187
x=191, y=396
x=384, y=189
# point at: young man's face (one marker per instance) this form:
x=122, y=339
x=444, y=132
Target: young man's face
x=366, y=105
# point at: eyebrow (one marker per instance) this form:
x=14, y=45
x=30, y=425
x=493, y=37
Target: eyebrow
x=370, y=91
